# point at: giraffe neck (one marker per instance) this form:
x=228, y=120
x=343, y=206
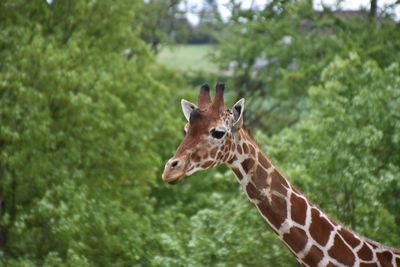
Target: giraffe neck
x=313, y=237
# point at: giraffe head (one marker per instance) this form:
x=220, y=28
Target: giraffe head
x=209, y=135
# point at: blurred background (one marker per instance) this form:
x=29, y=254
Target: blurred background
x=90, y=111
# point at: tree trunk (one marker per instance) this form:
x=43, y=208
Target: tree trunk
x=373, y=8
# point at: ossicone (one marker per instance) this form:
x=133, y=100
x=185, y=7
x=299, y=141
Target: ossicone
x=204, y=98
x=218, y=103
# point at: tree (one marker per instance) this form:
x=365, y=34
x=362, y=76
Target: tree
x=373, y=8
x=277, y=53
x=79, y=143
x=162, y=22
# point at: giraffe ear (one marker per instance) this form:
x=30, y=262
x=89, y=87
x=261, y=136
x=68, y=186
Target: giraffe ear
x=238, y=114
x=187, y=108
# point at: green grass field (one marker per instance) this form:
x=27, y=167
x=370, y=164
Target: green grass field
x=188, y=57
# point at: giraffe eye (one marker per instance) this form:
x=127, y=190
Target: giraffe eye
x=217, y=134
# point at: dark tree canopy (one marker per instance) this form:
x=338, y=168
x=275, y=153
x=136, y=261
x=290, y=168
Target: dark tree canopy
x=88, y=117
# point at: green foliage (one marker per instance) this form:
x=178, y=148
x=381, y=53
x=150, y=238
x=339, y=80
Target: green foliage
x=162, y=22
x=216, y=226
x=81, y=134
x=88, y=119
x=279, y=52
x=345, y=153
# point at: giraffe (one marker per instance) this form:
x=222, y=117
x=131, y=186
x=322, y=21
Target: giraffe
x=216, y=135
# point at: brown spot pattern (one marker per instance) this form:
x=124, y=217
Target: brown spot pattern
x=362, y=264
x=263, y=160
x=245, y=148
x=272, y=218
x=226, y=148
x=385, y=258
x=228, y=143
x=278, y=183
x=239, y=149
x=278, y=212
x=365, y=253
x=320, y=228
x=341, y=252
x=334, y=223
x=260, y=179
x=398, y=261
x=253, y=192
x=372, y=244
x=207, y=164
x=314, y=256
x=275, y=212
x=349, y=237
x=252, y=150
x=247, y=164
x=296, y=239
x=234, y=158
x=330, y=264
x=237, y=173
x=299, y=209
x=213, y=152
x=195, y=157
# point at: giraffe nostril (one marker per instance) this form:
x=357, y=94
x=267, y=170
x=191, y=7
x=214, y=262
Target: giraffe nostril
x=174, y=164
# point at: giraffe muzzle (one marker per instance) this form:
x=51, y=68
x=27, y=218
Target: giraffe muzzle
x=174, y=171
